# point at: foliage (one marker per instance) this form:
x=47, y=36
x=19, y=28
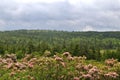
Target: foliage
x=58, y=67
x=89, y=44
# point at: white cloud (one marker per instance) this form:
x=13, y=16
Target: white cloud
x=88, y=28
x=37, y=1
x=75, y=2
x=2, y=23
x=60, y=14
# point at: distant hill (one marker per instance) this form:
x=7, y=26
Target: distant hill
x=53, y=33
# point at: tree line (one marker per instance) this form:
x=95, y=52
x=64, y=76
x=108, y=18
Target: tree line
x=94, y=45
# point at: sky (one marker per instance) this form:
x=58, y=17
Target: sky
x=67, y=15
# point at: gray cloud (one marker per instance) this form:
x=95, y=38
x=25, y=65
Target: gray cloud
x=99, y=15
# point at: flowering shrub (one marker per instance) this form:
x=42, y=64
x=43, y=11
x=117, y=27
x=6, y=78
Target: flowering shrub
x=58, y=67
x=111, y=62
x=111, y=75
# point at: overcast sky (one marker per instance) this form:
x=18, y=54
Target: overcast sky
x=70, y=15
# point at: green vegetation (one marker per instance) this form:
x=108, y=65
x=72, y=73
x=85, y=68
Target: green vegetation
x=39, y=55
x=57, y=67
x=94, y=45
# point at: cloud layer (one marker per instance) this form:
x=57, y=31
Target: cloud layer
x=70, y=15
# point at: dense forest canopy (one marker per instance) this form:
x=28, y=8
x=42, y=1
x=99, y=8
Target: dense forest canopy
x=94, y=45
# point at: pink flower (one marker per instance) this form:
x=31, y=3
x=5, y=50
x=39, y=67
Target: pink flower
x=76, y=78
x=58, y=58
x=63, y=64
x=87, y=76
x=30, y=65
x=93, y=70
x=111, y=74
x=10, y=65
x=111, y=62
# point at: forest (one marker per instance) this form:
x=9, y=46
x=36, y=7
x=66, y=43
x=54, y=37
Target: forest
x=59, y=55
x=93, y=45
